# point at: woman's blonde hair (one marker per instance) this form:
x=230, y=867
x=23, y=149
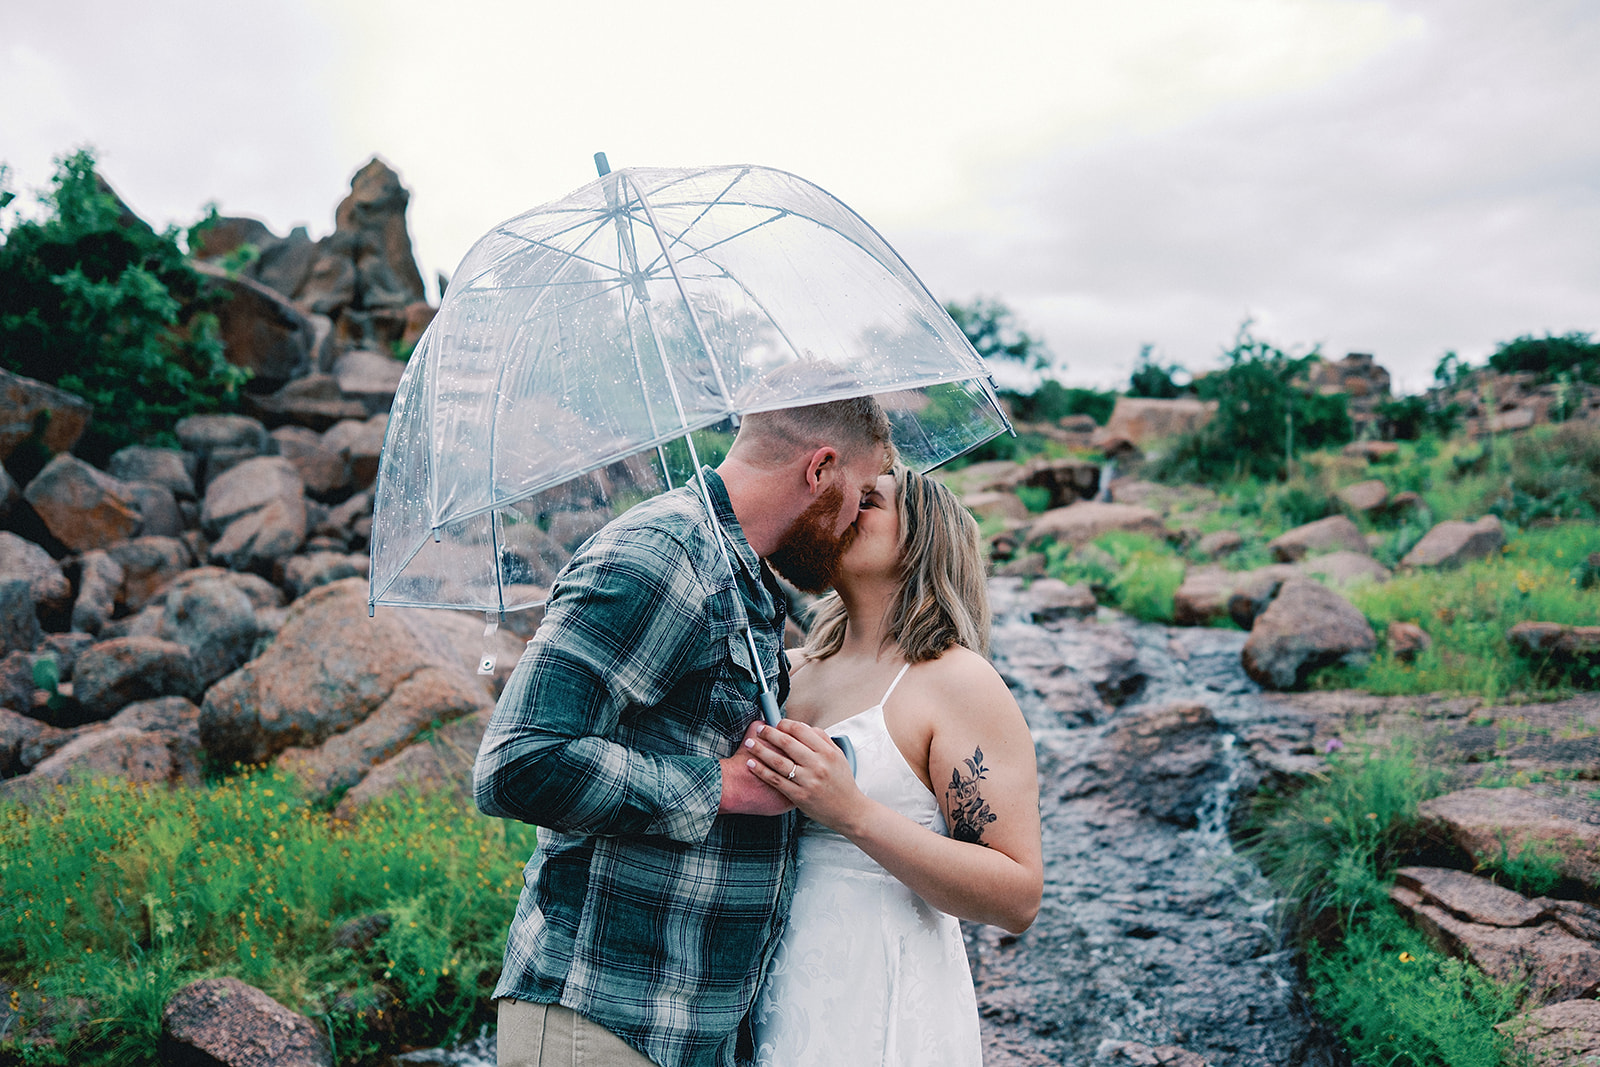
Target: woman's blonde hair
x=944, y=599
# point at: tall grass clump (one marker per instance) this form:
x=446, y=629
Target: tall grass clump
x=1469, y=611
x=1134, y=572
x=1331, y=849
x=117, y=894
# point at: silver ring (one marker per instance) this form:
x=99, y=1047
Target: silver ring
x=796, y=767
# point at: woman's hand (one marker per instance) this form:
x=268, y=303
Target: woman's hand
x=805, y=765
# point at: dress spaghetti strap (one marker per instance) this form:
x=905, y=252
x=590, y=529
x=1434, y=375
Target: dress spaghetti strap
x=894, y=683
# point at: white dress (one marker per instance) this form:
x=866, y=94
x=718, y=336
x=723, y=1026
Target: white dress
x=867, y=972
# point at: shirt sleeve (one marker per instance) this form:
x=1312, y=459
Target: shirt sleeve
x=623, y=624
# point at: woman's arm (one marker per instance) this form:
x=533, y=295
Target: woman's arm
x=981, y=763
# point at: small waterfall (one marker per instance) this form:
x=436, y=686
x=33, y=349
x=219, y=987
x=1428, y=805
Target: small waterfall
x=1108, y=474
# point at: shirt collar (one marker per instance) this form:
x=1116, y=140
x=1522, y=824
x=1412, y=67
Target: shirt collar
x=730, y=523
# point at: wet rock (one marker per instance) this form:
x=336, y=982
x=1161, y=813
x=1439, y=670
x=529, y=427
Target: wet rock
x=159, y=514
x=248, y=488
x=216, y=622
x=263, y=595
x=99, y=587
x=1203, y=597
x=1220, y=543
x=443, y=761
x=1452, y=543
x=1407, y=641
x=329, y=668
x=221, y=441
x=19, y=622
x=361, y=443
x=29, y=407
x=159, y=466
x=1566, y=1034
x=1027, y=565
x=1501, y=932
x=1080, y=523
x=996, y=504
x=1134, y=1053
x=323, y=471
x=1050, y=599
x=301, y=574
x=82, y=507
x=21, y=558
x=1143, y=420
x=1324, y=535
x=369, y=378
x=1482, y=821
x=1081, y=670
x=222, y=1022
x=258, y=540
x=1254, y=590
x=148, y=564
x=314, y=402
x=1306, y=626
x=1365, y=497
x=1343, y=568
x=1555, y=640
x=118, y=672
x=427, y=699
x=1161, y=762
x=261, y=330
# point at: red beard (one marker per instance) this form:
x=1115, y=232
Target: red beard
x=808, y=556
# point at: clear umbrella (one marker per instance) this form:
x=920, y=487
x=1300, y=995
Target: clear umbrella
x=585, y=348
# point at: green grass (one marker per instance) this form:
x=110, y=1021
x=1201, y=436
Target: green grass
x=1468, y=613
x=1331, y=848
x=1138, y=573
x=118, y=894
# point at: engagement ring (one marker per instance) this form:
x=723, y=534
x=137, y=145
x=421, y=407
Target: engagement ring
x=796, y=767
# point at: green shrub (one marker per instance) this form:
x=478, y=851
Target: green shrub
x=1036, y=498
x=1265, y=415
x=121, y=893
x=1052, y=401
x=1554, y=474
x=1574, y=353
x=95, y=301
x=1409, y=418
x=1134, y=572
x=1153, y=380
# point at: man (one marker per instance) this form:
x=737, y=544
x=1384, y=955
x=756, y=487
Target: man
x=664, y=867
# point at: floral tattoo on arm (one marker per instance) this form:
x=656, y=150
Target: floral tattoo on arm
x=969, y=812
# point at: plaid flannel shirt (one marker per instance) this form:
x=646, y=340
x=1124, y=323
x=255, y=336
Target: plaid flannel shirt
x=642, y=909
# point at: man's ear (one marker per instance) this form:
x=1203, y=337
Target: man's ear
x=821, y=468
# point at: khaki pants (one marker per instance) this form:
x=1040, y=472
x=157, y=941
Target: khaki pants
x=549, y=1035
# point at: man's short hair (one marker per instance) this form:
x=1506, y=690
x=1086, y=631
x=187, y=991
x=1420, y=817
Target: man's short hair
x=853, y=426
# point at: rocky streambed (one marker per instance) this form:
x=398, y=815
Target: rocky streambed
x=1156, y=942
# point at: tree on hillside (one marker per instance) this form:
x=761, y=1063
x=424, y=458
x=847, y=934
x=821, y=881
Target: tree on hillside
x=993, y=331
x=1266, y=414
x=94, y=301
x=1575, y=354
x=1153, y=381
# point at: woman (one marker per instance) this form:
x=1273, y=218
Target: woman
x=941, y=819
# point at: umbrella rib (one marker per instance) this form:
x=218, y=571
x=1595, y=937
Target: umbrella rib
x=683, y=240
x=568, y=255
x=713, y=202
x=471, y=282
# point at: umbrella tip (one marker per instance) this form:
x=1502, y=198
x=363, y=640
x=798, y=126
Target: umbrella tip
x=601, y=165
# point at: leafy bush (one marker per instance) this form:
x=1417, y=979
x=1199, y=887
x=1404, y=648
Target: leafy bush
x=1053, y=401
x=1545, y=357
x=1408, y=418
x=1555, y=474
x=122, y=893
x=96, y=302
x=1151, y=379
x=1265, y=415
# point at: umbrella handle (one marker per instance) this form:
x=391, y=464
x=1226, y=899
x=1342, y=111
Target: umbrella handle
x=769, y=707
x=849, y=750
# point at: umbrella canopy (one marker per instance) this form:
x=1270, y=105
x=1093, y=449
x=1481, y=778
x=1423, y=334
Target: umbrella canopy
x=578, y=340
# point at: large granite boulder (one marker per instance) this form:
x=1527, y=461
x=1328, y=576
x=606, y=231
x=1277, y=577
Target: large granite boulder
x=1080, y=523
x=1324, y=535
x=361, y=443
x=1066, y=480
x=261, y=330
x=313, y=402
x=148, y=564
x=1254, y=590
x=222, y=1022
x=323, y=470
x=115, y=673
x=1366, y=497
x=1306, y=626
x=1452, y=543
x=369, y=378
x=21, y=558
x=81, y=506
x=19, y=620
x=29, y=407
x=221, y=441
x=100, y=579
x=1482, y=821
x=1555, y=640
x=26, y=741
x=443, y=761
x=1162, y=763
x=259, y=509
x=1565, y=1034
x=1139, y=420
x=329, y=668
x=1344, y=567
x=1203, y=597
x=216, y=622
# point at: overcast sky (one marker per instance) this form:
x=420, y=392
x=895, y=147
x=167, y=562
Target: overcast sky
x=1403, y=178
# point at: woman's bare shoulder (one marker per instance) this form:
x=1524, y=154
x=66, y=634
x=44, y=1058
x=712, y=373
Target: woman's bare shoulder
x=965, y=675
